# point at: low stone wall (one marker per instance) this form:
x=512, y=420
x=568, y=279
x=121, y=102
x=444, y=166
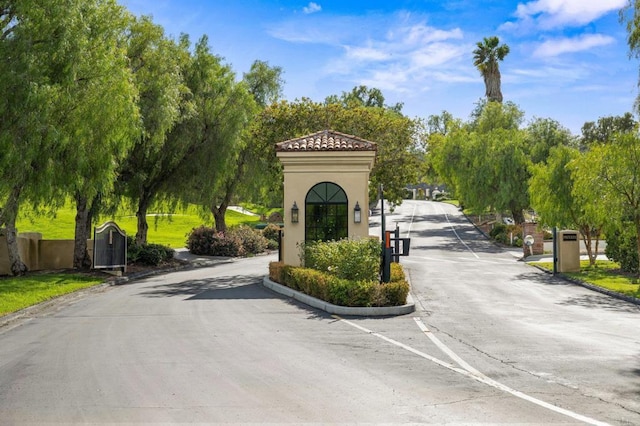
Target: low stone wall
x=39, y=254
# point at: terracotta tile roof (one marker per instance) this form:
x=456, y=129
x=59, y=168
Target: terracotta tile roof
x=326, y=140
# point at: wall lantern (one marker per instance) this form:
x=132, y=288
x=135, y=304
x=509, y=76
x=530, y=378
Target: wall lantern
x=357, y=213
x=294, y=213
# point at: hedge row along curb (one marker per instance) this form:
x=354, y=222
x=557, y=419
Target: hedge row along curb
x=407, y=308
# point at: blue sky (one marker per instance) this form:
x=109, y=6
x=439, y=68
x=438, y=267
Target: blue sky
x=568, y=61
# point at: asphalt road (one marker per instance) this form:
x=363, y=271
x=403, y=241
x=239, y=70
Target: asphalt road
x=493, y=340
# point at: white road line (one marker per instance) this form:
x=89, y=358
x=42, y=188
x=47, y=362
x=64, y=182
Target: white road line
x=456, y=232
x=444, y=348
x=476, y=375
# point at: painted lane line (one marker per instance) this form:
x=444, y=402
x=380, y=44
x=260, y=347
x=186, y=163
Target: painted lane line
x=456, y=232
x=479, y=377
x=444, y=348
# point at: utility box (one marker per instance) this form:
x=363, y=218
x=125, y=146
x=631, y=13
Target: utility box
x=568, y=246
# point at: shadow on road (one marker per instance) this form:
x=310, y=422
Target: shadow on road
x=225, y=287
x=601, y=301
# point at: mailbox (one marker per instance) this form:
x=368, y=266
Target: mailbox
x=568, y=246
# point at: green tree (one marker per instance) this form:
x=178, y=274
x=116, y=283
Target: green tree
x=60, y=59
x=561, y=203
x=605, y=128
x=543, y=134
x=613, y=171
x=486, y=57
x=164, y=100
x=397, y=160
x=363, y=96
x=630, y=17
x=486, y=161
x=264, y=82
x=217, y=156
x=103, y=115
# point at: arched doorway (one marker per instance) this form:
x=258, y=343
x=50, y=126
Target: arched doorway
x=326, y=213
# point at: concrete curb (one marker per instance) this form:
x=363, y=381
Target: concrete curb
x=340, y=310
x=590, y=286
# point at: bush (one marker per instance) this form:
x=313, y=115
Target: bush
x=354, y=260
x=271, y=232
x=251, y=240
x=207, y=241
x=148, y=254
x=237, y=241
x=498, y=228
x=502, y=234
x=394, y=293
x=342, y=292
x=622, y=247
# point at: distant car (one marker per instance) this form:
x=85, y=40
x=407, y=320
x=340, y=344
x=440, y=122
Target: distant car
x=508, y=221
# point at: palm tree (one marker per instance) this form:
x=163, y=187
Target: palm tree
x=485, y=58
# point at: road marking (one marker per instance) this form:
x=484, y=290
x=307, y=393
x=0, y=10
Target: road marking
x=456, y=232
x=474, y=374
x=444, y=348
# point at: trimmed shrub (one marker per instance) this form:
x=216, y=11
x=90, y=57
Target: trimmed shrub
x=207, y=241
x=252, y=241
x=276, y=271
x=148, y=254
x=200, y=239
x=339, y=291
x=355, y=260
x=271, y=232
x=397, y=273
x=394, y=293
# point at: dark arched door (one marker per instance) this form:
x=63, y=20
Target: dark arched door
x=326, y=215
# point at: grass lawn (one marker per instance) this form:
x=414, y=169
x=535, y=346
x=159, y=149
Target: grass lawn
x=605, y=274
x=171, y=230
x=168, y=230
x=20, y=292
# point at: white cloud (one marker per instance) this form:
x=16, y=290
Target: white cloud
x=312, y=8
x=556, y=47
x=550, y=14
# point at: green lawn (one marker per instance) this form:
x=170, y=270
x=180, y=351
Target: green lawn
x=20, y=292
x=169, y=230
x=605, y=274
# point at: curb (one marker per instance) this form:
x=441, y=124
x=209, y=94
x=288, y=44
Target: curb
x=592, y=287
x=340, y=310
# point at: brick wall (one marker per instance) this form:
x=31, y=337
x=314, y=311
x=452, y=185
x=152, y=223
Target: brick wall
x=531, y=228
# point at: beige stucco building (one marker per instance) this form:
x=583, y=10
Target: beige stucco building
x=326, y=185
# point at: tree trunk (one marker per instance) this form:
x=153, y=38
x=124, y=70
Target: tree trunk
x=218, y=217
x=81, y=259
x=637, y=221
x=143, y=226
x=587, y=238
x=492, y=86
x=518, y=215
x=9, y=215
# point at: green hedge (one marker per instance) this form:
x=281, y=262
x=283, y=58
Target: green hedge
x=340, y=291
x=344, y=273
x=355, y=260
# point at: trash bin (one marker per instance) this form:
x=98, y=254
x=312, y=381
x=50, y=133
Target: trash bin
x=568, y=245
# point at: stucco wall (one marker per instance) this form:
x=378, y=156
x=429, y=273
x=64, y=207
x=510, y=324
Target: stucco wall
x=39, y=254
x=302, y=170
